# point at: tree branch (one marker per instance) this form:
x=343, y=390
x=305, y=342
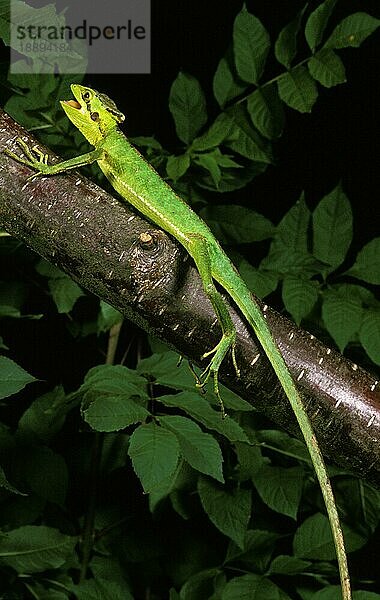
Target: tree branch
x=102, y=245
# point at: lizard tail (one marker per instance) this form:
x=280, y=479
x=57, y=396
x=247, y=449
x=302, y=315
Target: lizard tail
x=255, y=316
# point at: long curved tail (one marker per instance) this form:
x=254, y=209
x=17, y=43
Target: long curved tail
x=236, y=288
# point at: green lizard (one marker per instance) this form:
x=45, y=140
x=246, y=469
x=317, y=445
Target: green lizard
x=98, y=118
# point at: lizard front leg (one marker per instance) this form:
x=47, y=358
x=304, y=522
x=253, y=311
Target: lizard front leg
x=36, y=159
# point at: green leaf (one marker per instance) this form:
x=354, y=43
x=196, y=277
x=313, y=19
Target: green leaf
x=215, y=134
x=183, y=479
x=216, y=164
x=199, y=449
x=258, y=549
x=359, y=501
x=226, y=84
x=114, y=452
x=102, y=589
x=288, y=565
x=111, y=412
x=233, y=179
x=23, y=81
x=317, y=22
x=209, y=162
x=65, y=292
x=144, y=141
x=286, y=444
x=298, y=89
x=352, y=31
x=285, y=47
x=367, y=264
x=356, y=293
x=198, y=408
x=299, y=296
x=45, y=416
x=251, y=46
x=327, y=68
x=332, y=228
x=71, y=61
x=245, y=140
x=231, y=223
x=154, y=452
x=266, y=112
x=33, y=549
x=24, y=109
x=313, y=539
x=260, y=282
x=369, y=335
x=280, y=489
x=4, y=483
x=289, y=250
x=229, y=511
x=108, y=316
x=292, y=231
x=115, y=379
x=165, y=369
x=331, y=592
x=12, y=377
x=225, y=160
x=41, y=592
x=252, y=587
x=287, y=261
x=200, y=585
x=188, y=106
x=230, y=399
x=342, y=318
x=177, y=166
x=46, y=269
x=5, y=20
x=291, y=239
x=250, y=460
x=109, y=568
x=179, y=504
x=157, y=346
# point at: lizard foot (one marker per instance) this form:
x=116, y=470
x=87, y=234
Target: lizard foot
x=218, y=353
x=33, y=158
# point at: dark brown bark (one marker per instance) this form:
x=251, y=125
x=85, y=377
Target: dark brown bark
x=97, y=240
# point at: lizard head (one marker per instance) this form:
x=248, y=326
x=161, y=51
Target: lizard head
x=93, y=113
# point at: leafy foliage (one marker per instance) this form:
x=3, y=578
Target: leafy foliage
x=188, y=506
x=188, y=106
x=13, y=378
x=32, y=549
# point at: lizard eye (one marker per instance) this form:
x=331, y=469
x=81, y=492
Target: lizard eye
x=86, y=96
x=94, y=116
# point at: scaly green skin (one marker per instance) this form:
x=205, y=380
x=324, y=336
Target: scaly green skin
x=97, y=117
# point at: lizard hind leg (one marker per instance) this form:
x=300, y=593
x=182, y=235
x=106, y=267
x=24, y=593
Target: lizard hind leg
x=212, y=370
x=199, y=250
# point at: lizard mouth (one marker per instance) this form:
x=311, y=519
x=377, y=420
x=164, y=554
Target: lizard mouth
x=72, y=103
